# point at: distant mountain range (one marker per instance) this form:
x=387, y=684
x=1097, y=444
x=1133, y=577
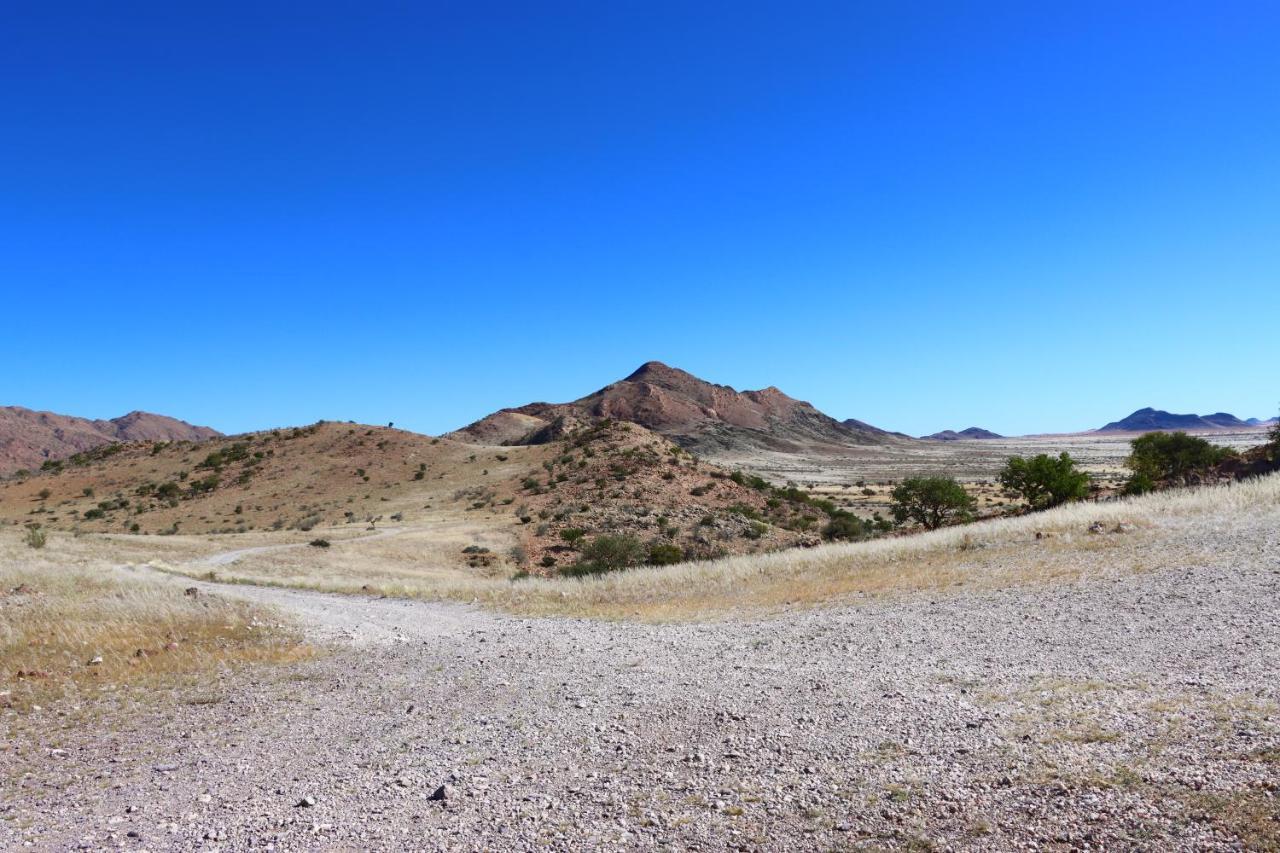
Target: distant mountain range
x=1147, y=420
x=970, y=433
x=694, y=413
x=29, y=438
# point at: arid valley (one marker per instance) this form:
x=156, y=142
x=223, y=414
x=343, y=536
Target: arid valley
x=357, y=637
x=602, y=427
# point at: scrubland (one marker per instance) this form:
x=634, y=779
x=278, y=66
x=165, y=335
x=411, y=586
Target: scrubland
x=1037, y=548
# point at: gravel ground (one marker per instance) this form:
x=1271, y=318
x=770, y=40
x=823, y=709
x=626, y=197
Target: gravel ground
x=1117, y=712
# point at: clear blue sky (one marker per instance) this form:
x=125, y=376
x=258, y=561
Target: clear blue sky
x=1026, y=216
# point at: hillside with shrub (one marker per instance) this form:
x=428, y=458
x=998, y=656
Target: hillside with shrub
x=561, y=505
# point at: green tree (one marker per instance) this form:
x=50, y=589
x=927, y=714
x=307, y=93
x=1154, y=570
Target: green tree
x=1170, y=457
x=1044, y=481
x=931, y=501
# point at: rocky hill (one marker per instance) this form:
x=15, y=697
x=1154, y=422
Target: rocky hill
x=534, y=507
x=692, y=412
x=28, y=439
x=970, y=433
x=1147, y=420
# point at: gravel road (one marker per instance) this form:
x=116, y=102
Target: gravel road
x=1125, y=712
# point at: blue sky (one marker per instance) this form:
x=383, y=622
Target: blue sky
x=922, y=215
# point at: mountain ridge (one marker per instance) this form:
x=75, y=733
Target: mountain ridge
x=29, y=438
x=1149, y=420
x=972, y=432
x=692, y=412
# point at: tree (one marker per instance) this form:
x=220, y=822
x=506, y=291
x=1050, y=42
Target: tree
x=1273, y=441
x=931, y=501
x=1043, y=481
x=1169, y=457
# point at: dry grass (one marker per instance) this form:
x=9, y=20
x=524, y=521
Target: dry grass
x=78, y=633
x=988, y=554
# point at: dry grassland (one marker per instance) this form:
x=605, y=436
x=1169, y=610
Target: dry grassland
x=1156, y=529
x=72, y=628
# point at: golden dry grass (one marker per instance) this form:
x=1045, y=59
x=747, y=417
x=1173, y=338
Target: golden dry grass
x=77, y=632
x=988, y=554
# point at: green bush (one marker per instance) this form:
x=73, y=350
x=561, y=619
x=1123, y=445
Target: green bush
x=572, y=534
x=1044, y=481
x=35, y=537
x=847, y=526
x=203, y=485
x=931, y=501
x=607, y=553
x=664, y=554
x=1172, y=457
x=319, y=543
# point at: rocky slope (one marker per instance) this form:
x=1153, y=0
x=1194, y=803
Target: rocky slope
x=29, y=438
x=695, y=414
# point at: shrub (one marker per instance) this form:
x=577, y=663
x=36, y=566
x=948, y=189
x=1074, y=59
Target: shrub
x=609, y=552
x=35, y=537
x=206, y=484
x=1172, y=457
x=846, y=525
x=319, y=543
x=931, y=501
x=1043, y=481
x=572, y=534
x=1138, y=484
x=547, y=562
x=43, y=494
x=664, y=554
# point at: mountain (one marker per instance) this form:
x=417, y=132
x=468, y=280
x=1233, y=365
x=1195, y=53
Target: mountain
x=692, y=412
x=29, y=438
x=1260, y=421
x=970, y=433
x=1147, y=420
